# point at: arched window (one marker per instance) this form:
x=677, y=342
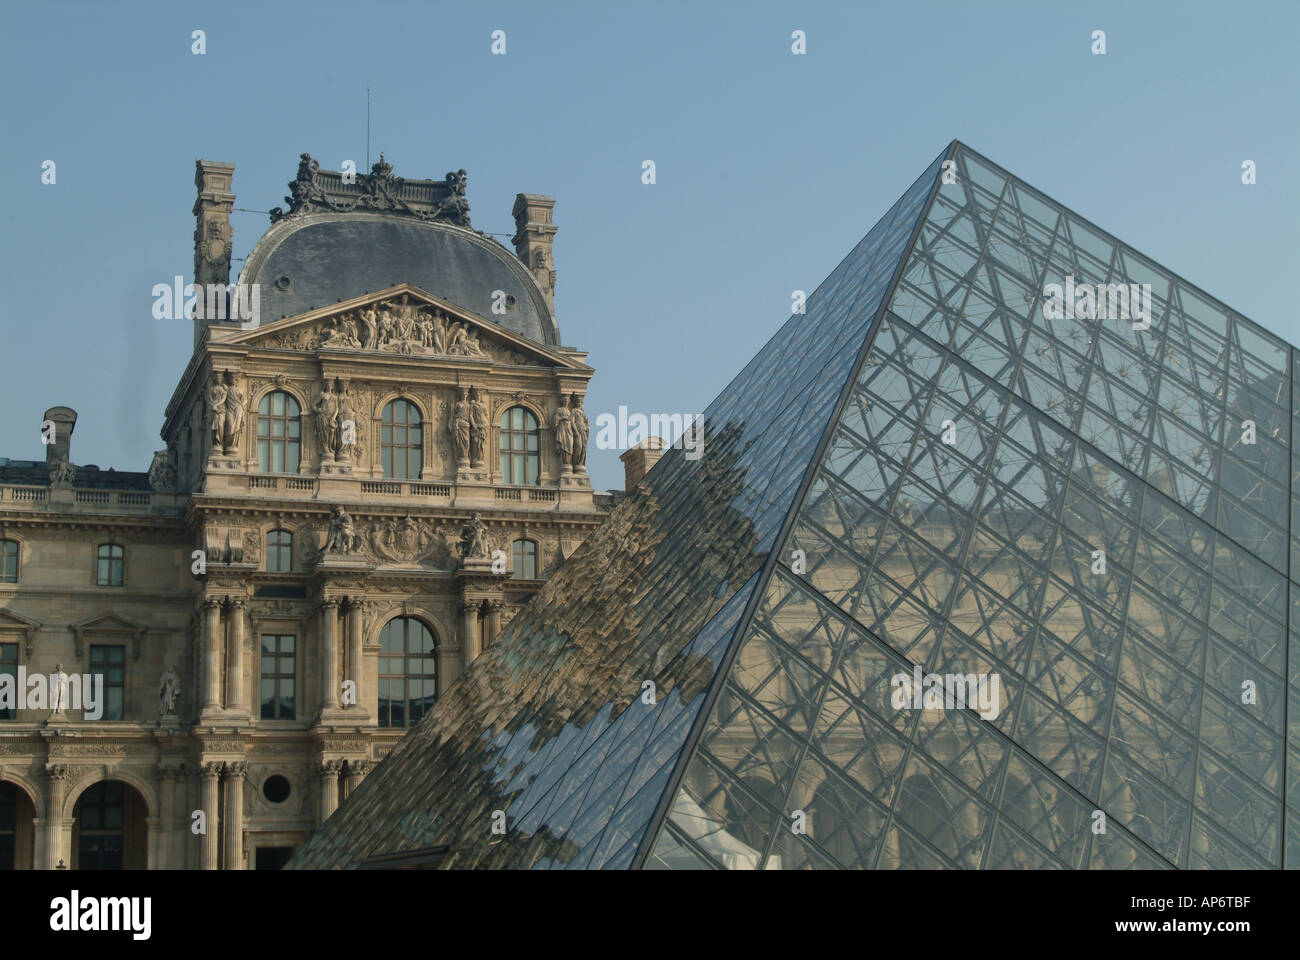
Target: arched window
x=401, y=441
x=8, y=561
x=279, y=551
x=525, y=556
x=279, y=433
x=408, y=672
x=109, y=571
x=521, y=460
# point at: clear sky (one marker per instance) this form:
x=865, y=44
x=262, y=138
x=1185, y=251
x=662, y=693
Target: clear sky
x=770, y=166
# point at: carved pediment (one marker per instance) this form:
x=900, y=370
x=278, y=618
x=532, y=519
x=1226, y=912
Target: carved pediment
x=14, y=625
x=403, y=321
x=108, y=626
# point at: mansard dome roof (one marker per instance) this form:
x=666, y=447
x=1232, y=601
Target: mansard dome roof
x=339, y=240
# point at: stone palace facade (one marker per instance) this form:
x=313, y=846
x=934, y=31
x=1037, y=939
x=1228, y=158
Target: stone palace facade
x=360, y=487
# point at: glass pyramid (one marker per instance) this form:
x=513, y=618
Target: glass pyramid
x=981, y=454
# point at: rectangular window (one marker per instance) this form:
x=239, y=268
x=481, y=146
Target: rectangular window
x=8, y=561
x=278, y=658
x=110, y=663
x=109, y=572
x=9, y=665
x=279, y=551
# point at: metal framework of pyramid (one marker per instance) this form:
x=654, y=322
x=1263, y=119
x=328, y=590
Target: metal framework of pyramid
x=917, y=475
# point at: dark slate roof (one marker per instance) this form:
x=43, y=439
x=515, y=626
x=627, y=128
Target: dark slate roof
x=329, y=257
x=36, y=473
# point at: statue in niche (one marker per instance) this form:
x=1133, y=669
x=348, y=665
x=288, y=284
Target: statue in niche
x=460, y=428
x=473, y=538
x=216, y=409
x=343, y=536
x=581, y=429
x=169, y=690
x=564, y=434
x=326, y=409
x=478, y=426
x=236, y=406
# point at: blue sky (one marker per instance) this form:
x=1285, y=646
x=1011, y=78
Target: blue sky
x=770, y=166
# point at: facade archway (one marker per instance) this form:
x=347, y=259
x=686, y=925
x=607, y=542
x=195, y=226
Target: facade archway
x=17, y=827
x=109, y=829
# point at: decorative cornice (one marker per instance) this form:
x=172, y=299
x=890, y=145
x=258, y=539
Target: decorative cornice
x=315, y=190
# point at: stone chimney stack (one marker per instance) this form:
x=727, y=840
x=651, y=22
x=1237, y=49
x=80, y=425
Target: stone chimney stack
x=212, y=231
x=65, y=421
x=534, y=234
x=638, y=461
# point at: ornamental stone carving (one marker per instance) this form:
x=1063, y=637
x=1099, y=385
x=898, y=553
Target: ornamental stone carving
x=473, y=539
x=343, y=536
x=315, y=190
x=162, y=472
x=227, y=405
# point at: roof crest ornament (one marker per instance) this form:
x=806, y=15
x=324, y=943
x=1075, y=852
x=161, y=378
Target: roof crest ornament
x=315, y=190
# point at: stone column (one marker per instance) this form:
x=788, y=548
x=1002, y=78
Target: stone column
x=211, y=654
x=357, y=769
x=167, y=774
x=329, y=660
x=356, y=611
x=234, y=817
x=55, y=847
x=493, y=620
x=328, y=771
x=235, y=658
x=208, y=804
x=469, y=639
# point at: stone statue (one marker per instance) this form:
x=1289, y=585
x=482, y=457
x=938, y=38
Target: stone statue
x=460, y=428
x=564, y=433
x=478, y=427
x=326, y=409
x=162, y=475
x=169, y=689
x=349, y=427
x=236, y=405
x=439, y=332
x=343, y=535
x=370, y=321
x=217, y=410
x=581, y=428
x=62, y=471
x=473, y=541
x=470, y=345
x=59, y=690
x=454, y=207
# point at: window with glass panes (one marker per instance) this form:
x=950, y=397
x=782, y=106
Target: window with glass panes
x=279, y=433
x=521, y=460
x=8, y=825
x=8, y=561
x=9, y=667
x=408, y=672
x=525, y=557
x=110, y=663
x=279, y=551
x=109, y=570
x=401, y=438
x=100, y=815
x=278, y=672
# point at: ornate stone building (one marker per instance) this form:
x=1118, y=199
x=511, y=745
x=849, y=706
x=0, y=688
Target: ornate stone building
x=359, y=489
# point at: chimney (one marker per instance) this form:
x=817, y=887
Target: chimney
x=65, y=421
x=638, y=461
x=212, y=232
x=534, y=234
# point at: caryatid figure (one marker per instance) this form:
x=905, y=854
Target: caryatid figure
x=478, y=427
x=217, y=410
x=564, y=435
x=581, y=428
x=236, y=404
x=460, y=428
x=326, y=409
